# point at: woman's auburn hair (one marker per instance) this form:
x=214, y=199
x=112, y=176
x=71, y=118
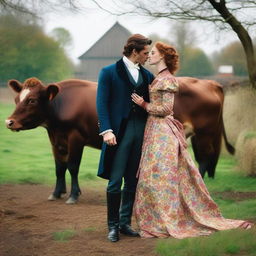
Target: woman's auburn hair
x=171, y=56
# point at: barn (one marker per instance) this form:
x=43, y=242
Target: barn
x=107, y=50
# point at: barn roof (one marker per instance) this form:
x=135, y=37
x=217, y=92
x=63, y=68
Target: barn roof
x=109, y=45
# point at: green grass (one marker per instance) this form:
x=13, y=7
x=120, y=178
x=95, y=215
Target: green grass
x=89, y=229
x=228, y=178
x=64, y=235
x=249, y=135
x=224, y=243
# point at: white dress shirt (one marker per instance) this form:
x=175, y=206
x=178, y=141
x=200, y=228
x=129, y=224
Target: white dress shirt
x=133, y=68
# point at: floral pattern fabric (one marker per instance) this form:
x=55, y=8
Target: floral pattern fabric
x=171, y=198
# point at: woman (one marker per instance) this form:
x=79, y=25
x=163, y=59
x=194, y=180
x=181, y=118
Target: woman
x=171, y=198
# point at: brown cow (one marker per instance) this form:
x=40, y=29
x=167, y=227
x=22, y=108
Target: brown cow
x=67, y=110
x=199, y=106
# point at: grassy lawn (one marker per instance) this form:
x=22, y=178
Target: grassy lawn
x=26, y=157
x=224, y=243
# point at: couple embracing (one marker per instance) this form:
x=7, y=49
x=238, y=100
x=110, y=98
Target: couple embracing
x=144, y=153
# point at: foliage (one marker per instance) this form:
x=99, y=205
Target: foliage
x=62, y=36
x=195, y=63
x=232, y=54
x=25, y=51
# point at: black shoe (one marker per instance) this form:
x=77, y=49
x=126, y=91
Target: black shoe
x=128, y=231
x=113, y=234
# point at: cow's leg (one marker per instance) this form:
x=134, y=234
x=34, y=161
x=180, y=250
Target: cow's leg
x=203, y=149
x=196, y=149
x=60, y=152
x=211, y=165
x=76, y=145
x=60, y=187
x=214, y=156
x=206, y=148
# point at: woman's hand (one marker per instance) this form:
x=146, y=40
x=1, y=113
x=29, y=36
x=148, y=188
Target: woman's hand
x=138, y=100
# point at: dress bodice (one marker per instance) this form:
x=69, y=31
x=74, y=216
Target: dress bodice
x=161, y=93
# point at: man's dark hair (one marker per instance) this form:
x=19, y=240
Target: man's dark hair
x=137, y=42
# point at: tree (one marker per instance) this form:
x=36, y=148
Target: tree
x=37, y=6
x=26, y=51
x=184, y=38
x=62, y=36
x=223, y=13
x=195, y=63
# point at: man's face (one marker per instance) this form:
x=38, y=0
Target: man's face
x=142, y=56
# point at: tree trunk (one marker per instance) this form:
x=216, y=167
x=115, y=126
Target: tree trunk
x=242, y=34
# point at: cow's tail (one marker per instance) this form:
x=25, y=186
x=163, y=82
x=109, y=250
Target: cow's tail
x=229, y=147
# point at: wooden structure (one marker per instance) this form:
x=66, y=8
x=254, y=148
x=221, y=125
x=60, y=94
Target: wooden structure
x=107, y=50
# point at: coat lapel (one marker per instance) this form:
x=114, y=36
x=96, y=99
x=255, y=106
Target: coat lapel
x=122, y=73
x=144, y=76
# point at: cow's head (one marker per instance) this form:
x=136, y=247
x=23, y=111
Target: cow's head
x=31, y=103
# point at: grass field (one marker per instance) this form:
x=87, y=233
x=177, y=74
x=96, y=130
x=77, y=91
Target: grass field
x=26, y=158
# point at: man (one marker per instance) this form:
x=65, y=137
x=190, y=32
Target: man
x=122, y=123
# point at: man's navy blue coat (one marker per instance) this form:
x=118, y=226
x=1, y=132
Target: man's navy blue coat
x=114, y=105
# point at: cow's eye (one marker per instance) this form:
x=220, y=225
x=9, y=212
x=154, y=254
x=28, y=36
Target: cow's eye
x=32, y=101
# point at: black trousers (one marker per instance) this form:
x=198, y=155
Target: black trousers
x=127, y=157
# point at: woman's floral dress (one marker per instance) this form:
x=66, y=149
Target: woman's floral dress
x=171, y=198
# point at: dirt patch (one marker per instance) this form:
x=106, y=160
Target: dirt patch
x=28, y=223
x=235, y=195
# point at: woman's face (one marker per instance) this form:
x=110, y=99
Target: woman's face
x=154, y=56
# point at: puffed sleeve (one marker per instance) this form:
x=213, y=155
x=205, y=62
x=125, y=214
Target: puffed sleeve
x=164, y=89
x=169, y=84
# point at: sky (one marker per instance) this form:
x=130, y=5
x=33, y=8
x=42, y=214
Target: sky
x=87, y=27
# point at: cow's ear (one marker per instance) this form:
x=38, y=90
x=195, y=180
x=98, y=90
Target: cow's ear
x=52, y=90
x=15, y=85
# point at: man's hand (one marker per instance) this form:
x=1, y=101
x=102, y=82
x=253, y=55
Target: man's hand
x=109, y=138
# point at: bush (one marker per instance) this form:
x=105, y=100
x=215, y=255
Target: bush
x=246, y=152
